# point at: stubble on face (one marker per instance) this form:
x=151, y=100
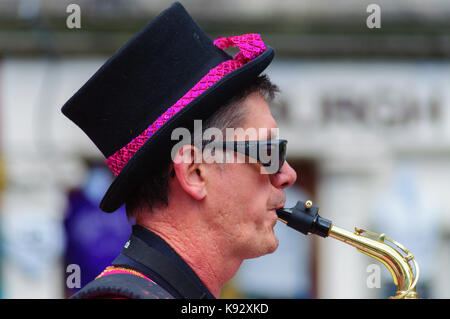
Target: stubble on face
x=244, y=199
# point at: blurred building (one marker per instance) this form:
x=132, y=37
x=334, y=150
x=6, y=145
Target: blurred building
x=359, y=106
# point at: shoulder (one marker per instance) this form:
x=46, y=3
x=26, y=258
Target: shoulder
x=122, y=285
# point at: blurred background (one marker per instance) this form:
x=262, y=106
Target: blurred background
x=366, y=112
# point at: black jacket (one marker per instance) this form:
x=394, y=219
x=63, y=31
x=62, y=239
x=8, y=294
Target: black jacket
x=147, y=256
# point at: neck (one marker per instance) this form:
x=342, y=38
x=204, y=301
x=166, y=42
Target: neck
x=215, y=267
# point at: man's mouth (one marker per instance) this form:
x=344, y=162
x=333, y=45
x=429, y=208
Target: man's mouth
x=274, y=210
x=281, y=205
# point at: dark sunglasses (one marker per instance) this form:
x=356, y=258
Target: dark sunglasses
x=264, y=151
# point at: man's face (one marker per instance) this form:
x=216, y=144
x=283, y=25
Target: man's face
x=241, y=199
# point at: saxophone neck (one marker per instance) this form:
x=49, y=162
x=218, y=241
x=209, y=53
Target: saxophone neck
x=375, y=246
x=305, y=218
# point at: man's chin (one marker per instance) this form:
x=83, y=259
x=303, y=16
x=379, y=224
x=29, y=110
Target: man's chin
x=272, y=246
x=267, y=249
x=275, y=246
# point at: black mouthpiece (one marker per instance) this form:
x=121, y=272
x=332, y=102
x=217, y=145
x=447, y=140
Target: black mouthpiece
x=305, y=218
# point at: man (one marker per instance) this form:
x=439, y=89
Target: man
x=196, y=220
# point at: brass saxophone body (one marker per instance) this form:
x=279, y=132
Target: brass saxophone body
x=305, y=218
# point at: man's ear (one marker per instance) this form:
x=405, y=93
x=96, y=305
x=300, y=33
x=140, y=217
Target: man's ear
x=189, y=171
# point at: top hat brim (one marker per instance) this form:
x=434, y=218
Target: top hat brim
x=146, y=159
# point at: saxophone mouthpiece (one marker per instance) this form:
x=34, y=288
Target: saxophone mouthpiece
x=305, y=218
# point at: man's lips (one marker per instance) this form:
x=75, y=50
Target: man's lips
x=274, y=210
x=281, y=205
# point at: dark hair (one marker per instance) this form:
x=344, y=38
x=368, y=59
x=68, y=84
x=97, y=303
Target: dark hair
x=154, y=188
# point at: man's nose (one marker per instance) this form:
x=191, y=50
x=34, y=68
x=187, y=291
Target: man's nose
x=285, y=177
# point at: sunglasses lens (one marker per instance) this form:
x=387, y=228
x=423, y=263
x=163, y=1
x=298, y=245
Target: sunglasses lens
x=269, y=150
x=262, y=151
x=283, y=151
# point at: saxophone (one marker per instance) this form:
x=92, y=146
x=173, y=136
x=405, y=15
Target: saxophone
x=305, y=218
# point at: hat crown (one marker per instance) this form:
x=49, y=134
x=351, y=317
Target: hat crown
x=142, y=79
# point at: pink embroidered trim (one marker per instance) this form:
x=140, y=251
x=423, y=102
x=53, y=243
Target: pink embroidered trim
x=110, y=270
x=250, y=46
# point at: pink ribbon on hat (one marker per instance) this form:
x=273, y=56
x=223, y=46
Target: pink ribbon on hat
x=250, y=46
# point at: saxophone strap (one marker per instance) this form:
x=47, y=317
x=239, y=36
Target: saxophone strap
x=140, y=252
x=121, y=286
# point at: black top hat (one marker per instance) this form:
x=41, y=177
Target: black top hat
x=166, y=76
